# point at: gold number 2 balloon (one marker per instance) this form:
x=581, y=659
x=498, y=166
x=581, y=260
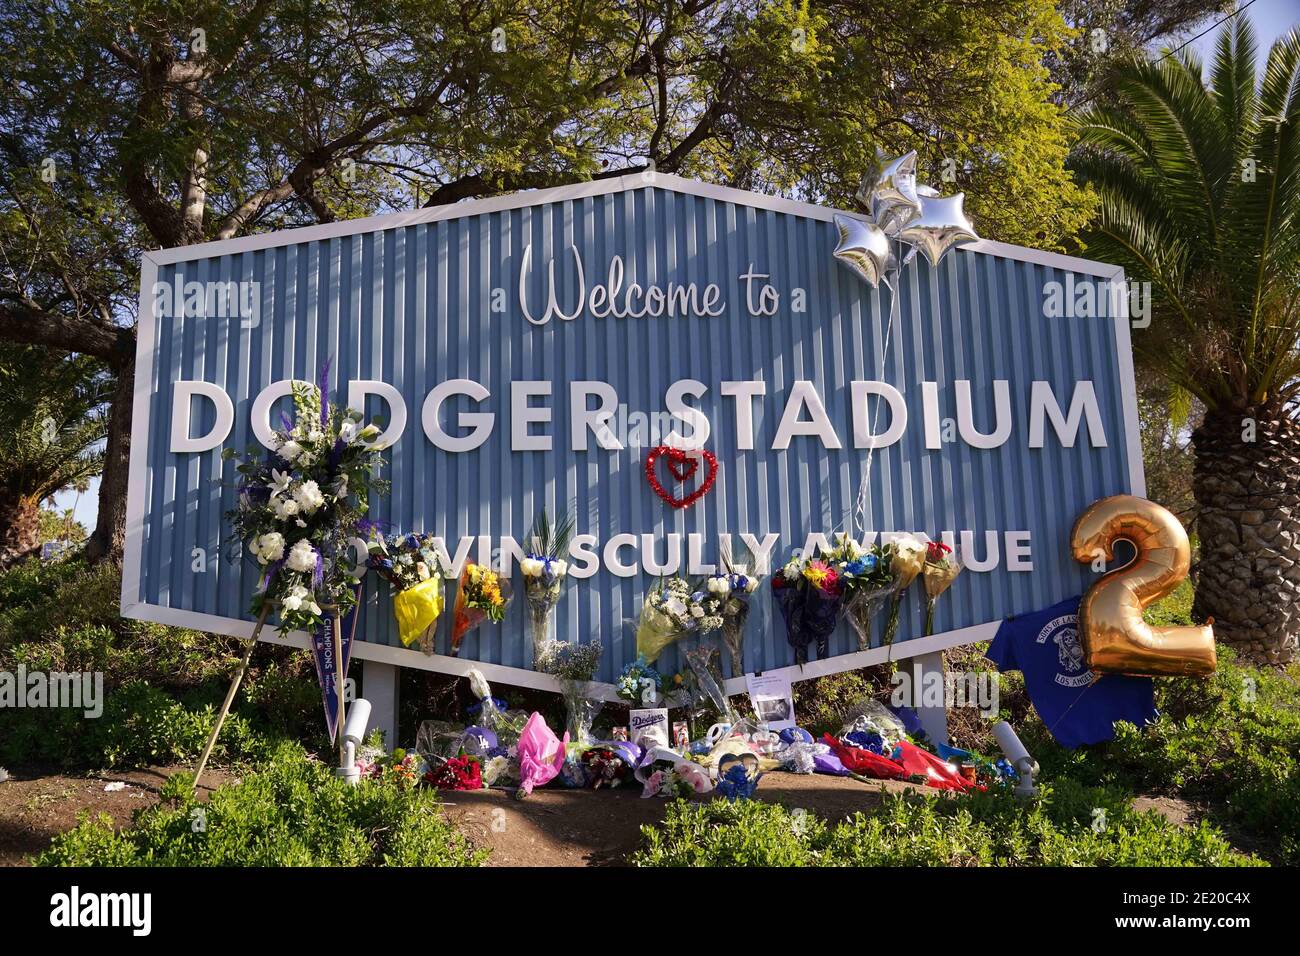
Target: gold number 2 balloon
x=1116, y=640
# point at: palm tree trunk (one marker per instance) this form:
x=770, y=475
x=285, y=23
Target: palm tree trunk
x=1246, y=481
x=20, y=522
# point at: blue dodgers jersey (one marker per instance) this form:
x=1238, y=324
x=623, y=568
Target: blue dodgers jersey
x=1045, y=647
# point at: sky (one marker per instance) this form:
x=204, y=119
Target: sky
x=1271, y=19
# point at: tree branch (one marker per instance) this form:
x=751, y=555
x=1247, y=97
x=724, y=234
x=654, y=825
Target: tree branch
x=28, y=324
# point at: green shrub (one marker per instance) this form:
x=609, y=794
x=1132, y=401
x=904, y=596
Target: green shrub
x=140, y=725
x=293, y=812
x=162, y=685
x=1057, y=828
x=1232, y=740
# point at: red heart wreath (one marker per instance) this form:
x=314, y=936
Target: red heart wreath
x=681, y=465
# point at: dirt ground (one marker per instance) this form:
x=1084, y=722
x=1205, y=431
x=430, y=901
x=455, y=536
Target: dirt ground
x=552, y=827
x=34, y=808
x=558, y=827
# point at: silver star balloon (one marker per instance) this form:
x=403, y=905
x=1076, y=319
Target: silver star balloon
x=864, y=248
x=941, y=225
x=889, y=191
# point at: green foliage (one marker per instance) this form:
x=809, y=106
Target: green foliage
x=292, y=812
x=822, y=702
x=1200, y=196
x=1057, y=828
x=52, y=419
x=162, y=685
x=65, y=615
x=1231, y=740
x=57, y=526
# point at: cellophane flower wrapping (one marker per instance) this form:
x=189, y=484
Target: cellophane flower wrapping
x=808, y=593
x=412, y=567
x=545, y=573
x=733, y=591
x=506, y=724
x=481, y=595
x=866, y=581
x=907, y=561
x=941, y=569
x=541, y=754
x=704, y=664
x=607, y=766
x=581, y=705
x=464, y=772
x=575, y=666
x=674, y=608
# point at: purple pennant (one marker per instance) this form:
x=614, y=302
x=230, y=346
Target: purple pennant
x=328, y=671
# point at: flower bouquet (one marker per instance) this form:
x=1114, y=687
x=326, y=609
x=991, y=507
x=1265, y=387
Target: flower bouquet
x=732, y=591
x=411, y=566
x=506, y=724
x=673, y=609
x=464, y=772
x=481, y=595
x=299, y=508
x=575, y=665
x=640, y=684
x=866, y=579
x=703, y=662
x=609, y=765
x=906, y=561
x=540, y=753
x=545, y=572
x=808, y=593
x=941, y=568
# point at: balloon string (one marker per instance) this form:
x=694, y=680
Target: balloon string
x=863, y=503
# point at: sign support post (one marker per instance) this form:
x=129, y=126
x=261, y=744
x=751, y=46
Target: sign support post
x=230, y=694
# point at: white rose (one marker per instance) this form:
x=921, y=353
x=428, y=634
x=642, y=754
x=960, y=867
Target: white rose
x=906, y=543
x=561, y=568
x=302, y=556
x=290, y=450
x=531, y=567
x=751, y=585
x=422, y=570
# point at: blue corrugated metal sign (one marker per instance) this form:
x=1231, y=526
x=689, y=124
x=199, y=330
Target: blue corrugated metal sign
x=530, y=349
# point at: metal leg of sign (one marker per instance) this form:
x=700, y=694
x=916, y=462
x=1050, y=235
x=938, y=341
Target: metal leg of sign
x=230, y=694
x=927, y=671
x=340, y=685
x=380, y=683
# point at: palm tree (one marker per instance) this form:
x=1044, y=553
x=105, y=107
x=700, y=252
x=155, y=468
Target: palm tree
x=52, y=429
x=1200, y=196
